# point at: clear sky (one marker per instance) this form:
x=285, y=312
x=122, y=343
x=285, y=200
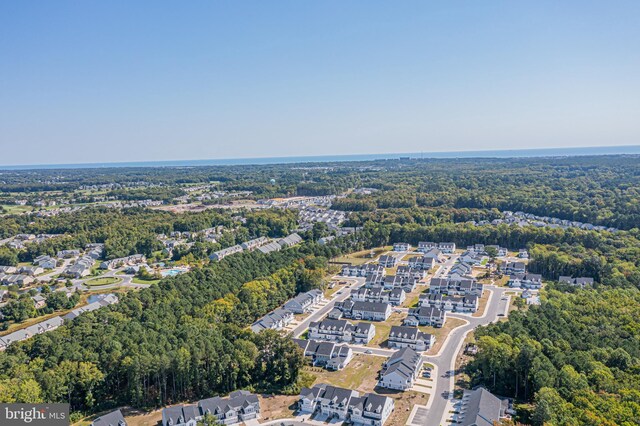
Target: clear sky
x=101, y=81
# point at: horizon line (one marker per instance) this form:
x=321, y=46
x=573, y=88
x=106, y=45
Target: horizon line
x=326, y=158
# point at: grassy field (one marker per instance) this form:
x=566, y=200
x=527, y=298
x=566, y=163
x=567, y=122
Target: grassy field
x=360, y=257
x=442, y=332
x=102, y=281
x=16, y=209
x=137, y=280
x=383, y=329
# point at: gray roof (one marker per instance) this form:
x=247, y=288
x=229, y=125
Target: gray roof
x=114, y=418
x=370, y=306
x=482, y=408
x=404, y=362
x=236, y=401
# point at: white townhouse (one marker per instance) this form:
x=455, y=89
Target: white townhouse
x=402, y=336
x=401, y=370
x=346, y=405
x=341, y=331
x=450, y=303
x=528, y=281
x=304, y=302
x=429, y=316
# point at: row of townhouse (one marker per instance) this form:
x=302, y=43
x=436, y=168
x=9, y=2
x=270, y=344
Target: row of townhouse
x=45, y=262
x=19, y=280
x=326, y=354
x=468, y=303
x=221, y=254
x=403, y=336
x=362, y=270
x=411, y=273
x=461, y=269
x=275, y=320
x=472, y=258
x=28, y=332
x=262, y=244
x=254, y=244
x=423, y=263
x=578, y=281
x=481, y=407
x=346, y=405
x=103, y=300
x=482, y=249
x=528, y=281
x=407, y=282
x=281, y=317
x=68, y=254
x=394, y=296
x=455, y=287
x=387, y=261
x=338, y=330
x=514, y=268
x=423, y=315
x=436, y=254
x=81, y=268
x=304, y=302
x=425, y=246
x=401, y=370
x=367, y=311
x=238, y=407
x=134, y=259
x=401, y=247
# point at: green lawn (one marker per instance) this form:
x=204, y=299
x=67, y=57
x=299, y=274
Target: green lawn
x=137, y=280
x=102, y=281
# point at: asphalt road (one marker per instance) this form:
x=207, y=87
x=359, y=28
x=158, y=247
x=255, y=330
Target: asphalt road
x=320, y=313
x=446, y=358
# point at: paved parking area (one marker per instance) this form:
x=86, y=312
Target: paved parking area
x=418, y=416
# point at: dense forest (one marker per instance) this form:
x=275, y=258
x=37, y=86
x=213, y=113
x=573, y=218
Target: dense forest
x=577, y=356
x=573, y=360
x=602, y=190
x=184, y=338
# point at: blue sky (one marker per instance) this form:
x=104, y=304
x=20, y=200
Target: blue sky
x=101, y=81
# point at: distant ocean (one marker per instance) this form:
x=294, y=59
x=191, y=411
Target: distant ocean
x=512, y=153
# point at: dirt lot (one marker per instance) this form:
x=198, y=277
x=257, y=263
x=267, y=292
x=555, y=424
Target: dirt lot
x=482, y=305
x=442, y=333
x=404, y=402
x=277, y=406
x=361, y=374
